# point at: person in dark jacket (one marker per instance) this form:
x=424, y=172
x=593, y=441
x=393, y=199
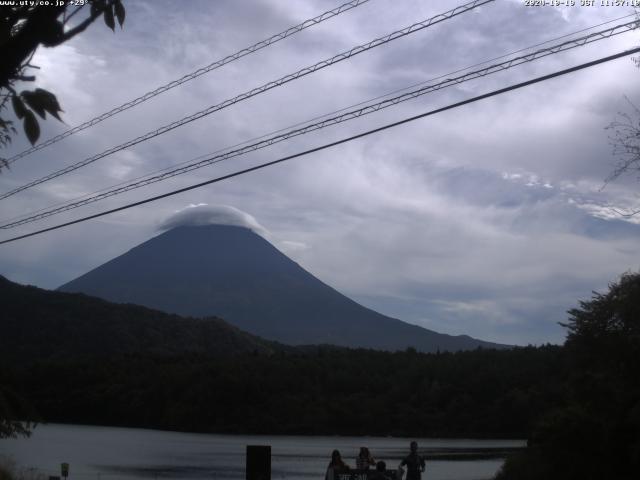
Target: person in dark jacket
x=415, y=463
x=381, y=472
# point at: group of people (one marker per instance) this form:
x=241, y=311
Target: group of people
x=413, y=462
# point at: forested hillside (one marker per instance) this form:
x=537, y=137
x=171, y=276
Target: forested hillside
x=38, y=324
x=74, y=358
x=319, y=391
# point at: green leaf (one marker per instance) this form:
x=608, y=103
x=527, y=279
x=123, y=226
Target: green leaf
x=120, y=12
x=31, y=127
x=18, y=106
x=108, y=18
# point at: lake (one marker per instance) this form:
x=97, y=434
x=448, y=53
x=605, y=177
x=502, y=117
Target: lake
x=106, y=453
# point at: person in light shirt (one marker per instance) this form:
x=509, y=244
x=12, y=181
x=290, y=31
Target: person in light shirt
x=364, y=460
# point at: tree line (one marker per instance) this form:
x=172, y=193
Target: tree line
x=321, y=390
x=594, y=432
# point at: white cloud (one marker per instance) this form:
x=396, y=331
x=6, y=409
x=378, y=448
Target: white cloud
x=203, y=214
x=293, y=246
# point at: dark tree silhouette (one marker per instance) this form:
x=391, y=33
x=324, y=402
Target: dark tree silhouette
x=596, y=433
x=613, y=316
x=625, y=140
x=23, y=28
x=16, y=414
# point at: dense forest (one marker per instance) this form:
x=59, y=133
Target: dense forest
x=41, y=325
x=321, y=390
x=577, y=404
x=594, y=432
x=76, y=358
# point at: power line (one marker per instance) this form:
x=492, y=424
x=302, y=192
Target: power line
x=31, y=214
x=168, y=173
x=258, y=90
x=349, y=115
x=318, y=117
x=447, y=75
x=333, y=144
x=190, y=76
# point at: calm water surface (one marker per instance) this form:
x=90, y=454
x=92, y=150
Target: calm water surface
x=105, y=453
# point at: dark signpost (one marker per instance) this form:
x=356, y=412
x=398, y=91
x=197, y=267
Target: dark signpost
x=64, y=470
x=258, y=462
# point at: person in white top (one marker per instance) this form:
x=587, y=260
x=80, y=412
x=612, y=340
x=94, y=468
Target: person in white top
x=364, y=460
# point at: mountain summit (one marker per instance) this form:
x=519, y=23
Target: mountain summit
x=235, y=274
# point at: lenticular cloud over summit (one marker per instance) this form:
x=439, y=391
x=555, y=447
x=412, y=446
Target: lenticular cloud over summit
x=203, y=214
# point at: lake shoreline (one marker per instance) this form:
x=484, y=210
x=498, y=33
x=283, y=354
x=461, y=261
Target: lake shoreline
x=276, y=434
x=96, y=452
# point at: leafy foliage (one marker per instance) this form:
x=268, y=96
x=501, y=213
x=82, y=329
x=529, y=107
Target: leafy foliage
x=14, y=409
x=10, y=471
x=25, y=26
x=596, y=432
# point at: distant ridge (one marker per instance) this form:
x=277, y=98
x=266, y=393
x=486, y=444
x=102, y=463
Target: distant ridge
x=39, y=324
x=235, y=274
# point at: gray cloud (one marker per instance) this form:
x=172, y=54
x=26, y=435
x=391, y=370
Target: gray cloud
x=487, y=220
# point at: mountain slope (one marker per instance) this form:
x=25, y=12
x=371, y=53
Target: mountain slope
x=235, y=274
x=40, y=324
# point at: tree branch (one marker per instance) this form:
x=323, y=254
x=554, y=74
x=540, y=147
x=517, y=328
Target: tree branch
x=70, y=16
x=81, y=27
x=36, y=29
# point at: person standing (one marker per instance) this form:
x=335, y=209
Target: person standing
x=415, y=463
x=336, y=465
x=364, y=460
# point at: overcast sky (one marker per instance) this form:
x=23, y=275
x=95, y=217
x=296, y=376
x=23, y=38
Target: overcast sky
x=488, y=220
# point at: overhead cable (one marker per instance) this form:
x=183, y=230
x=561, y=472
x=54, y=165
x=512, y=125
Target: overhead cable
x=324, y=115
x=343, y=117
x=332, y=144
x=258, y=90
x=191, y=76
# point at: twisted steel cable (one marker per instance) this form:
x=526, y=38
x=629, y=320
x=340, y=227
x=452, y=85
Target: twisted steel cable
x=325, y=115
x=332, y=144
x=190, y=76
x=538, y=54
x=256, y=91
